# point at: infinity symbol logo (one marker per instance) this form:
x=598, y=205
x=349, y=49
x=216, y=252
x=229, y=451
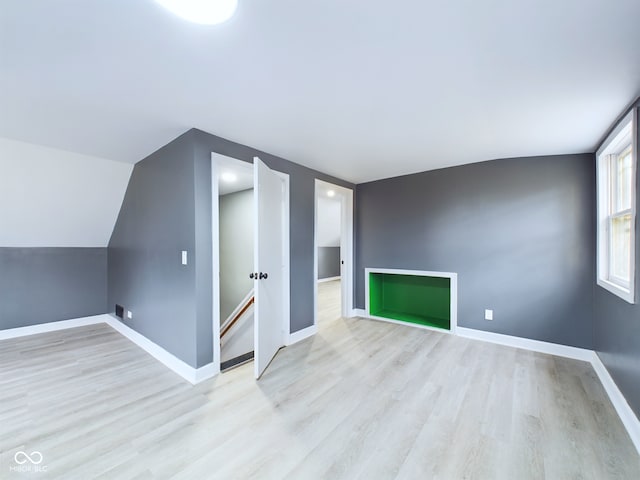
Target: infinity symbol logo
x=22, y=457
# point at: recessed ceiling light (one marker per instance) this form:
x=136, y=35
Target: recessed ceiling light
x=206, y=12
x=229, y=177
x=331, y=193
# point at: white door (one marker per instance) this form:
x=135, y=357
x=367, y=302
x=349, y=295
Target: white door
x=269, y=314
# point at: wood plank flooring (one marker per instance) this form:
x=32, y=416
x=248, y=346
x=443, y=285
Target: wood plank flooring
x=360, y=400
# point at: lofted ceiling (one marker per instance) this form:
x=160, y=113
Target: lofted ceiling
x=54, y=198
x=364, y=89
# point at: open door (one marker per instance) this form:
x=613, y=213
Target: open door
x=269, y=259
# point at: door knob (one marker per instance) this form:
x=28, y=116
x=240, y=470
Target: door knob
x=253, y=275
x=263, y=275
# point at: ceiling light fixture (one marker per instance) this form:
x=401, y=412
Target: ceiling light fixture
x=205, y=12
x=331, y=193
x=229, y=177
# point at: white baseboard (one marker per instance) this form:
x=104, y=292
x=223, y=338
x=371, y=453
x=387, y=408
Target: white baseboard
x=51, y=326
x=359, y=312
x=527, y=344
x=194, y=376
x=626, y=414
x=300, y=335
x=186, y=371
x=328, y=279
x=205, y=373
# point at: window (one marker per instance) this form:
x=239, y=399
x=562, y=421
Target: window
x=616, y=170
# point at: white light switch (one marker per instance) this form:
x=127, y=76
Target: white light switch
x=184, y=257
x=129, y=314
x=488, y=314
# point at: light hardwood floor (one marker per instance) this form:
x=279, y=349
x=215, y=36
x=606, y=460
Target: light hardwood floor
x=362, y=399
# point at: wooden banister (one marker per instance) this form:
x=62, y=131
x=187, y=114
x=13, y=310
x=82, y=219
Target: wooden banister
x=237, y=317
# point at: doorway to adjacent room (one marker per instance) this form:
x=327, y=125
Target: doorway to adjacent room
x=333, y=251
x=250, y=231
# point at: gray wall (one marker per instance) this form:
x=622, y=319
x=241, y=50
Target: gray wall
x=328, y=262
x=617, y=330
x=519, y=233
x=236, y=249
x=40, y=285
x=156, y=222
x=302, y=200
x=167, y=208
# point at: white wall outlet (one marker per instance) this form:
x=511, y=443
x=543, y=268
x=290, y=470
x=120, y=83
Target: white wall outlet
x=488, y=314
x=184, y=257
x=129, y=314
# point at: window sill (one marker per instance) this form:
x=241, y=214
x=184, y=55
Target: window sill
x=624, y=293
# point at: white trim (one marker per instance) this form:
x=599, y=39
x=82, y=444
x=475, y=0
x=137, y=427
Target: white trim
x=286, y=256
x=328, y=279
x=194, y=376
x=347, y=252
x=626, y=414
x=624, y=293
x=621, y=125
x=52, y=326
x=422, y=273
x=215, y=258
x=189, y=373
x=527, y=344
x=186, y=371
x=453, y=300
x=603, y=200
x=215, y=235
x=205, y=373
x=359, y=312
x=300, y=335
x=236, y=310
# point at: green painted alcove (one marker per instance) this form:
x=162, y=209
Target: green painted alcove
x=418, y=299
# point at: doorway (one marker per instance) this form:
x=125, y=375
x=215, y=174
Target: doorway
x=333, y=252
x=250, y=252
x=235, y=248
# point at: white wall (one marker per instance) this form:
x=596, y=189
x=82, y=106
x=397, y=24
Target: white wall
x=239, y=340
x=54, y=198
x=328, y=222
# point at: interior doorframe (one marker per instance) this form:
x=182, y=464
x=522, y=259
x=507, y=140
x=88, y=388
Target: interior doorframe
x=215, y=256
x=346, y=249
x=286, y=255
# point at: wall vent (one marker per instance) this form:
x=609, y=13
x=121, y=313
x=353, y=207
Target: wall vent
x=119, y=311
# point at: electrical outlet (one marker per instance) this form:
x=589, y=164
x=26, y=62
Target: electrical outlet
x=129, y=314
x=488, y=314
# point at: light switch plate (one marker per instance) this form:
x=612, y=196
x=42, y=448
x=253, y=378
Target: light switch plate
x=184, y=257
x=488, y=314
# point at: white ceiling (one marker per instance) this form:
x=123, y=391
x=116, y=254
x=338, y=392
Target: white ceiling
x=243, y=171
x=362, y=90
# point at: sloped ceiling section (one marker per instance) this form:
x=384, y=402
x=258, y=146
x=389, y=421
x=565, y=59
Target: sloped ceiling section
x=359, y=89
x=55, y=198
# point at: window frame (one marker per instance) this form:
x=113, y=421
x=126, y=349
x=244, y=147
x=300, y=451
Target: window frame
x=616, y=143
